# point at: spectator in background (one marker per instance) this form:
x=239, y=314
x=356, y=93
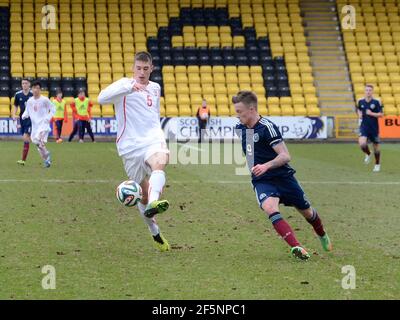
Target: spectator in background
x=203, y=116
x=76, y=125
x=61, y=114
x=81, y=108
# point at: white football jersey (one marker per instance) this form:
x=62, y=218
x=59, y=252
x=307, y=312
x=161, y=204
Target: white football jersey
x=137, y=113
x=40, y=111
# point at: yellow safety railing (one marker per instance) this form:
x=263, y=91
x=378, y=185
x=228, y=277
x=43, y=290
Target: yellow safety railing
x=346, y=126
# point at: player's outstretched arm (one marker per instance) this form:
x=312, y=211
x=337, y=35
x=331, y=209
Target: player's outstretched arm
x=116, y=90
x=25, y=115
x=14, y=109
x=51, y=110
x=281, y=159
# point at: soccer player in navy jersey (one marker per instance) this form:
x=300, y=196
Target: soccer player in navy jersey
x=272, y=178
x=369, y=110
x=20, y=99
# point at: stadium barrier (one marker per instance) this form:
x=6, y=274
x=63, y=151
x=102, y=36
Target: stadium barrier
x=346, y=126
x=186, y=128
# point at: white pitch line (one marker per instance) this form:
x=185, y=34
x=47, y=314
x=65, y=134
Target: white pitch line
x=194, y=181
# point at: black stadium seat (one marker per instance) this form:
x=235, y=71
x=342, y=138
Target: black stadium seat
x=257, y=51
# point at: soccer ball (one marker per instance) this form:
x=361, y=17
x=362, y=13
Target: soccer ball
x=129, y=193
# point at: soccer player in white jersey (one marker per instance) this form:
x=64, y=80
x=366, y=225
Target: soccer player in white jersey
x=140, y=139
x=40, y=110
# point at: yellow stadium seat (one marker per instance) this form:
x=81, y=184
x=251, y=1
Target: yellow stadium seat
x=238, y=41
x=194, y=78
x=274, y=111
x=171, y=100
x=208, y=90
x=300, y=111
x=287, y=110
x=219, y=89
x=185, y=110
x=107, y=110
x=171, y=110
x=390, y=110
x=170, y=88
x=181, y=78
x=194, y=89
x=96, y=110
x=219, y=78
x=4, y=110
x=313, y=112
x=223, y=111
x=182, y=88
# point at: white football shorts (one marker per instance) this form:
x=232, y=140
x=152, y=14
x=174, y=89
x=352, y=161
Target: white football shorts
x=135, y=161
x=40, y=137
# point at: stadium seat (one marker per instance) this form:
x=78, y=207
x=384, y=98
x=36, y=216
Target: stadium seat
x=372, y=50
x=222, y=47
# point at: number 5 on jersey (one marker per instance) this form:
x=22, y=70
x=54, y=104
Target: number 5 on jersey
x=149, y=101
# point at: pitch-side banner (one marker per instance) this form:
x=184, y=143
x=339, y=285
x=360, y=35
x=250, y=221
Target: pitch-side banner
x=389, y=127
x=100, y=126
x=184, y=128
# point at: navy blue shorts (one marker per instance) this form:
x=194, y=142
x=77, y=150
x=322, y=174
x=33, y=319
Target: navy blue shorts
x=26, y=126
x=371, y=135
x=287, y=189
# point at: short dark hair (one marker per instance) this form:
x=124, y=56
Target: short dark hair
x=26, y=79
x=36, y=84
x=58, y=90
x=370, y=86
x=81, y=90
x=248, y=98
x=143, y=56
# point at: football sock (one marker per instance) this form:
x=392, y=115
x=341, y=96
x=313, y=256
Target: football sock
x=158, y=239
x=43, y=151
x=365, y=149
x=316, y=223
x=377, y=157
x=25, y=151
x=283, y=229
x=151, y=222
x=156, y=185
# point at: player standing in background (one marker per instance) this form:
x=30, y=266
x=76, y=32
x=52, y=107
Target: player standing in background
x=20, y=99
x=369, y=110
x=81, y=108
x=272, y=178
x=61, y=114
x=40, y=109
x=140, y=140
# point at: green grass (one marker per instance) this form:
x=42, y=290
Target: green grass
x=224, y=247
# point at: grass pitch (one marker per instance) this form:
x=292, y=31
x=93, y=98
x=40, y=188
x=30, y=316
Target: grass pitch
x=223, y=245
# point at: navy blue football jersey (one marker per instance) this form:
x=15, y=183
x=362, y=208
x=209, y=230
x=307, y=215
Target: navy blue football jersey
x=20, y=100
x=257, y=145
x=369, y=123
